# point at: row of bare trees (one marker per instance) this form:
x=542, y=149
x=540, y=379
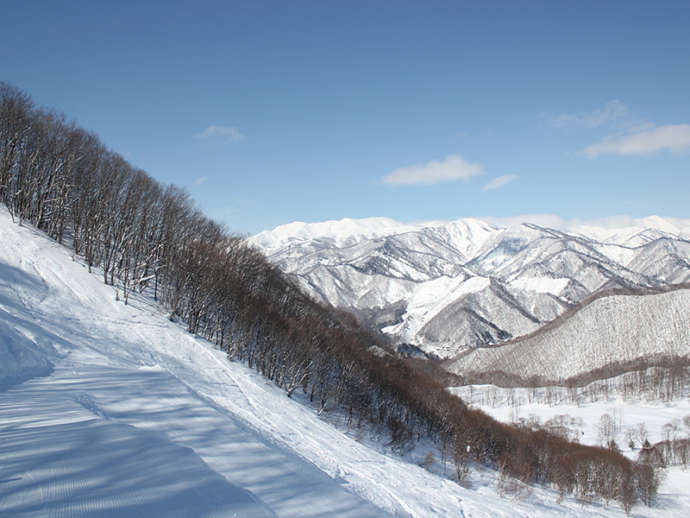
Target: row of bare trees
x=142, y=235
x=674, y=450
x=655, y=383
x=661, y=377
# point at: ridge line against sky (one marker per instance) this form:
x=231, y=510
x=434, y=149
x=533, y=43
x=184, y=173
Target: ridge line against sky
x=270, y=113
x=553, y=221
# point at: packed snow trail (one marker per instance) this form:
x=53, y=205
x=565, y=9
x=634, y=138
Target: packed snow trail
x=133, y=440
x=62, y=460
x=112, y=410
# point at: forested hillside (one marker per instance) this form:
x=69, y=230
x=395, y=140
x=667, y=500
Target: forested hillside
x=606, y=336
x=144, y=236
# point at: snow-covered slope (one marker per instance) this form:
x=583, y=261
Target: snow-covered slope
x=447, y=286
x=611, y=329
x=113, y=410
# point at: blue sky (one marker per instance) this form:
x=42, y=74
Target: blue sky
x=271, y=112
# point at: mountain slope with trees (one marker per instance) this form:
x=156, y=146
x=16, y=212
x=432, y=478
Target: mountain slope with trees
x=144, y=237
x=607, y=336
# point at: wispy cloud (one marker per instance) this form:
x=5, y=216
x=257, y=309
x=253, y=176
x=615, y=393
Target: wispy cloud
x=453, y=168
x=500, y=181
x=674, y=138
x=200, y=181
x=628, y=134
x=613, y=112
x=227, y=132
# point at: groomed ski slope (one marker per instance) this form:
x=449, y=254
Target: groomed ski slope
x=109, y=409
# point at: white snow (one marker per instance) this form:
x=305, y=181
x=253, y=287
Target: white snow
x=541, y=284
x=515, y=405
x=511, y=405
x=342, y=232
x=199, y=435
x=431, y=297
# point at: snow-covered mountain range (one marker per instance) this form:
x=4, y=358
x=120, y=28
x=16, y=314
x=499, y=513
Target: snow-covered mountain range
x=450, y=286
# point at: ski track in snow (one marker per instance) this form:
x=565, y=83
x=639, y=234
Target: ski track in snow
x=135, y=417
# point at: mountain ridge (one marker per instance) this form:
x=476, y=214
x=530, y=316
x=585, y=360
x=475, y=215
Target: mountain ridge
x=429, y=273
x=612, y=327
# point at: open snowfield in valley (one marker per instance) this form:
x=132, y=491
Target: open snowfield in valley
x=109, y=409
x=628, y=417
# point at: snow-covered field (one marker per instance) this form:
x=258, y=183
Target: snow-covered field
x=109, y=409
x=629, y=419
x=515, y=405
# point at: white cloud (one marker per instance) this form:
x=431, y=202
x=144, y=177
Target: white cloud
x=675, y=138
x=500, y=181
x=454, y=167
x=228, y=132
x=613, y=112
x=628, y=135
x=200, y=181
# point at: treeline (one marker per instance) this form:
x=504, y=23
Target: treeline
x=659, y=377
x=146, y=236
x=667, y=453
x=663, y=384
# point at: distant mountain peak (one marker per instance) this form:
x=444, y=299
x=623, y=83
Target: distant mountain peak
x=469, y=282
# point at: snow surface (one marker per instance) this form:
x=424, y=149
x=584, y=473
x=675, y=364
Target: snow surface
x=513, y=405
x=341, y=233
x=541, y=284
x=510, y=405
x=430, y=298
x=465, y=230
x=112, y=410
